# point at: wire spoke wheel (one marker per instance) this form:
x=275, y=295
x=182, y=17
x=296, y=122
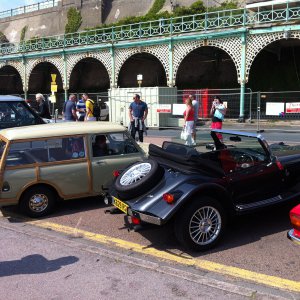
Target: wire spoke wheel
x=135, y=174
x=205, y=225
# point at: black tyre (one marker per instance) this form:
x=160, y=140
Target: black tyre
x=201, y=225
x=138, y=179
x=38, y=201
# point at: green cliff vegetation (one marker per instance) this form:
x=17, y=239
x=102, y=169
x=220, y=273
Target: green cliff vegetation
x=155, y=12
x=3, y=38
x=74, y=20
x=23, y=33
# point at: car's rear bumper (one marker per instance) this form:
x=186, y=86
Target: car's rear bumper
x=292, y=237
x=145, y=218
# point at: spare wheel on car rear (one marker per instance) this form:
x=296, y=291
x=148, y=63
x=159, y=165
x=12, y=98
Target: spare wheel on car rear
x=138, y=179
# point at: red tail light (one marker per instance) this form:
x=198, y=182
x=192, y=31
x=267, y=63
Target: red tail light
x=135, y=221
x=279, y=165
x=116, y=173
x=295, y=218
x=169, y=198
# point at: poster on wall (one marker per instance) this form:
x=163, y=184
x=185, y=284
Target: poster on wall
x=164, y=108
x=178, y=109
x=292, y=107
x=274, y=108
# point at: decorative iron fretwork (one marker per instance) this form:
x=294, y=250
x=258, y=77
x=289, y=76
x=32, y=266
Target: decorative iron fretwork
x=231, y=45
x=103, y=56
x=161, y=52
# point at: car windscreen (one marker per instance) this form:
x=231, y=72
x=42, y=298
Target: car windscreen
x=14, y=114
x=248, y=144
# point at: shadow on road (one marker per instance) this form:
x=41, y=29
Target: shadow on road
x=34, y=264
x=241, y=230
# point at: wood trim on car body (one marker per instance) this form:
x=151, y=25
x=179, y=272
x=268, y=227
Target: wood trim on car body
x=38, y=165
x=3, y=159
x=88, y=156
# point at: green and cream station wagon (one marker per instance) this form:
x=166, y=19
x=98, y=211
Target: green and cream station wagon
x=44, y=163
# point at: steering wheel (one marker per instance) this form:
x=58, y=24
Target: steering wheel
x=244, y=161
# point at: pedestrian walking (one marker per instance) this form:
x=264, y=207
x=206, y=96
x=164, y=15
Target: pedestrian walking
x=80, y=109
x=69, y=109
x=195, y=104
x=43, y=107
x=138, y=111
x=189, y=122
x=217, y=112
x=89, y=106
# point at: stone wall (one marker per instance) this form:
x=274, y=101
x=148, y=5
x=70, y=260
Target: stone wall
x=51, y=21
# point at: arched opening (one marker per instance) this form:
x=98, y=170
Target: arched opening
x=207, y=67
x=10, y=81
x=89, y=75
x=142, y=63
x=40, y=79
x=276, y=67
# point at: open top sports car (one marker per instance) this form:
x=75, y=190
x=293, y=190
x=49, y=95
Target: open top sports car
x=201, y=187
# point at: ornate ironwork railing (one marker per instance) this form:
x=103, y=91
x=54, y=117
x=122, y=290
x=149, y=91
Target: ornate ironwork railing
x=205, y=22
x=28, y=8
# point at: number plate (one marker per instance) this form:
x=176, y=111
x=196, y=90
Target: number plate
x=120, y=205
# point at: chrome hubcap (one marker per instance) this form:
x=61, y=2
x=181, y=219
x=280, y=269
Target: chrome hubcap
x=38, y=202
x=205, y=225
x=135, y=173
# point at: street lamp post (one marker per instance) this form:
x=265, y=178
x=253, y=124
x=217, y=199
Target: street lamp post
x=139, y=79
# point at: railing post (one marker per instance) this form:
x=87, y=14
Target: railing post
x=206, y=21
x=243, y=77
x=244, y=17
x=287, y=12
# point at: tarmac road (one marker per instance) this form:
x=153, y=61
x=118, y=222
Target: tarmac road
x=255, y=248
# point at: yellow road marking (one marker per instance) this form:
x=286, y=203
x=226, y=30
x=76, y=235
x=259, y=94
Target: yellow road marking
x=258, y=278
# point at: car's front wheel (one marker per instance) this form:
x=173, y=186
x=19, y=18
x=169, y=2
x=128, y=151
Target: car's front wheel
x=201, y=225
x=37, y=201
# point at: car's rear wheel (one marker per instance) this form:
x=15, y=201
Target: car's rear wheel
x=201, y=225
x=37, y=201
x=138, y=178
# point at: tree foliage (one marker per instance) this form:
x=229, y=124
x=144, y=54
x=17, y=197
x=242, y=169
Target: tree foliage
x=74, y=20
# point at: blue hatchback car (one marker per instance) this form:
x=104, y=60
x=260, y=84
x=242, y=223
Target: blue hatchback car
x=15, y=112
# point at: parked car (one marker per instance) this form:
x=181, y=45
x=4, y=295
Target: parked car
x=200, y=188
x=15, y=112
x=294, y=234
x=61, y=161
x=104, y=111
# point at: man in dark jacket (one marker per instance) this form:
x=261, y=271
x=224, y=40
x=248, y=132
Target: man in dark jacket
x=43, y=107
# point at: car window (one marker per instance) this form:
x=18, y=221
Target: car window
x=66, y=148
x=40, y=151
x=13, y=114
x=121, y=143
x=113, y=144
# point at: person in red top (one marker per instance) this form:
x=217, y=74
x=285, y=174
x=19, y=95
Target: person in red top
x=189, y=122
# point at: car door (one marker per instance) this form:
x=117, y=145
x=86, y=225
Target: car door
x=120, y=150
x=254, y=179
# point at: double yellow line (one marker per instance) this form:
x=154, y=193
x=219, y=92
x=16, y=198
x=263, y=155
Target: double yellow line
x=243, y=274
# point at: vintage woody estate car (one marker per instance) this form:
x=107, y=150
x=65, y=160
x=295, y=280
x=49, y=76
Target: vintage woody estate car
x=44, y=163
x=199, y=188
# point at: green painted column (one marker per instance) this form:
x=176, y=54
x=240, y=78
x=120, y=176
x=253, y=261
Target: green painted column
x=171, y=79
x=65, y=87
x=113, y=66
x=243, y=76
x=25, y=78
